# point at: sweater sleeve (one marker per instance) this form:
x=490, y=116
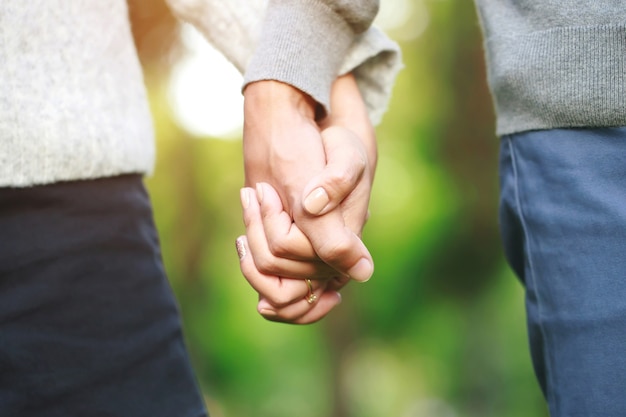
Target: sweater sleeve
x=375, y=61
x=305, y=43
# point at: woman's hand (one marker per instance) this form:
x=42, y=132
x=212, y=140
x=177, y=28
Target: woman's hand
x=294, y=299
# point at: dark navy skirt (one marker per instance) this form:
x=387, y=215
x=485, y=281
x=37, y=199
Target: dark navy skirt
x=88, y=322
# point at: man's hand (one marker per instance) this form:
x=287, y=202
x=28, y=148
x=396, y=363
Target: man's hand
x=283, y=147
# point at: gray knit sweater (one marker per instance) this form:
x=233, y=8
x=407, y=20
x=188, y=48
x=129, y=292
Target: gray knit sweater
x=556, y=63
x=72, y=100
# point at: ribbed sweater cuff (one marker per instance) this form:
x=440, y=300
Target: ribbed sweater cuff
x=375, y=61
x=303, y=43
x=562, y=77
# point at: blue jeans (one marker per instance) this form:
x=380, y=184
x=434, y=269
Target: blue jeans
x=563, y=222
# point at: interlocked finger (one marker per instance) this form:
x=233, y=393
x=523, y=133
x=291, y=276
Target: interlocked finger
x=268, y=256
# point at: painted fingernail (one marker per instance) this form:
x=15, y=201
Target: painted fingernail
x=244, y=194
x=241, y=247
x=259, y=192
x=362, y=271
x=316, y=201
x=267, y=313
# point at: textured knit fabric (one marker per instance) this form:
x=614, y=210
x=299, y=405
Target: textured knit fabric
x=321, y=25
x=72, y=100
x=556, y=63
x=305, y=43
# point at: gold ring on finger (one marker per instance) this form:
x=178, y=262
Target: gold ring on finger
x=310, y=297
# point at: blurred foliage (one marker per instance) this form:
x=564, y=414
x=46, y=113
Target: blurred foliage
x=438, y=332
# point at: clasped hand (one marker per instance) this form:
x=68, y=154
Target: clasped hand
x=306, y=198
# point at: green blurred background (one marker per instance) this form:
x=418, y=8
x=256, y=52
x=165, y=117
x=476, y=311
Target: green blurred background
x=439, y=330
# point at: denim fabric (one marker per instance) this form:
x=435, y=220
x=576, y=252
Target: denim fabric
x=563, y=222
x=88, y=323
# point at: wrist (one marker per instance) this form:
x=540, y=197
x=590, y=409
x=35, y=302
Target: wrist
x=270, y=95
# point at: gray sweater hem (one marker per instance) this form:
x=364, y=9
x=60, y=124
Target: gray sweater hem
x=561, y=77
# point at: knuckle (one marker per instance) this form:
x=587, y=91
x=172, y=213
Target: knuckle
x=278, y=248
x=344, y=177
x=279, y=299
x=334, y=250
x=265, y=264
x=340, y=179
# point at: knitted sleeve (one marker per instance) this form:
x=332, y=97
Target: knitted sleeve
x=305, y=43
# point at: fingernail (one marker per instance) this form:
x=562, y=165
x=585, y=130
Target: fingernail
x=339, y=297
x=244, y=194
x=259, y=192
x=316, y=201
x=241, y=247
x=362, y=271
x=267, y=313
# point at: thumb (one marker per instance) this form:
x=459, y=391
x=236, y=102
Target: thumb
x=346, y=161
